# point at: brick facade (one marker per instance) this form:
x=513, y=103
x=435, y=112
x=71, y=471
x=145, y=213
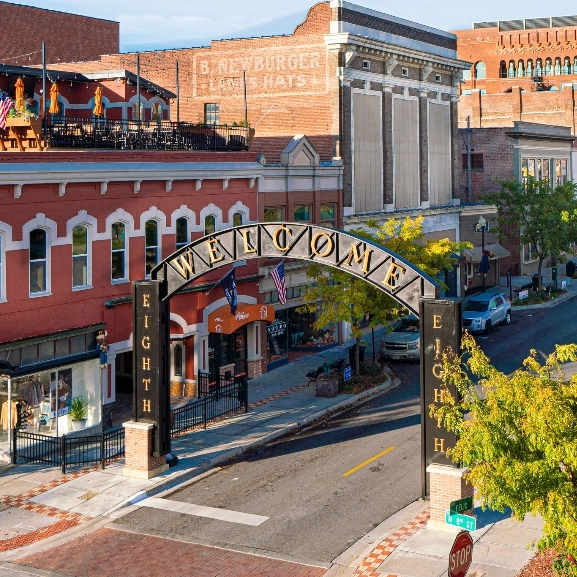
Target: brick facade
x=68, y=37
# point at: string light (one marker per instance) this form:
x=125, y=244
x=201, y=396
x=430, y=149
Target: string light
x=22, y=56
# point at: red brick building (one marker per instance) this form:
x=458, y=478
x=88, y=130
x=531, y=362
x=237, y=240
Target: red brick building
x=67, y=36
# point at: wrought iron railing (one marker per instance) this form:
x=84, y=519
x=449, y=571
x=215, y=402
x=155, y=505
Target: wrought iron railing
x=68, y=450
x=76, y=132
x=208, y=383
x=221, y=400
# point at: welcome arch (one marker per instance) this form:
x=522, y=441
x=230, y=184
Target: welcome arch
x=400, y=279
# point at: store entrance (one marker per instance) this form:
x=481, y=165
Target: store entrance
x=228, y=353
x=123, y=373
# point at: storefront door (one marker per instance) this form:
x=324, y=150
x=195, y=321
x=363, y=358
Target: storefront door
x=240, y=352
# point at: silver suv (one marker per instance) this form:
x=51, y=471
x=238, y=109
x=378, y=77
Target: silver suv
x=482, y=312
x=403, y=341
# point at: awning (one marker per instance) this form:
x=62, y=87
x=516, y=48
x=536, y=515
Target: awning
x=475, y=254
x=223, y=321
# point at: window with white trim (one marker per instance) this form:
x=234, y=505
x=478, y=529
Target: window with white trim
x=152, y=247
x=181, y=232
x=119, y=252
x=178, y=361
x=38, y=260
x=80, y=257
x=237, y=219
x=209, y=224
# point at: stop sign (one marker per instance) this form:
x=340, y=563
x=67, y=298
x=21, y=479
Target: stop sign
x=461, y=555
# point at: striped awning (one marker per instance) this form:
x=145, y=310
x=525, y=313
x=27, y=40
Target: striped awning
x=475, y=254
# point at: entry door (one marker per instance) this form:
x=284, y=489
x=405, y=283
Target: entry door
x=240, y=352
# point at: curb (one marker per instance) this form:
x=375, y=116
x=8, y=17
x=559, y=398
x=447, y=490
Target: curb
x=568, y=295
x=170, y=485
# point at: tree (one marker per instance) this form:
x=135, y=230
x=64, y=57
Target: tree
x=338, y=296
x=545, y=217
x=517, y=434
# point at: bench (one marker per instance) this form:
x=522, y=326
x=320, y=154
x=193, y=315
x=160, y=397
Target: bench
x=335, y=368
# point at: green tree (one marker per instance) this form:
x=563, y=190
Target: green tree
x=545, y=217
x=517, y=434
x=338, y=296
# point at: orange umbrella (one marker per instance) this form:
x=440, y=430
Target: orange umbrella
x=98, y=109
x=19, y=97
x=54, y=106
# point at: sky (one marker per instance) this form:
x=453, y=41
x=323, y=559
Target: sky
x=157, y=24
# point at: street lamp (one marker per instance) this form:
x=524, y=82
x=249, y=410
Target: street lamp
x=481, y=227
x=6, y=372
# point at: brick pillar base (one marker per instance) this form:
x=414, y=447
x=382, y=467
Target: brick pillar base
x=446, y=484
x=138, y=452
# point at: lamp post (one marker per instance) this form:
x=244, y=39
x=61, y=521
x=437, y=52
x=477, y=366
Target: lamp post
x=482, y=227
x=6, y=372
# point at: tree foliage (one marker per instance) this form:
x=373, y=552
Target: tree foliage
x=545, y=217
x=338, y=296
x=517, y=434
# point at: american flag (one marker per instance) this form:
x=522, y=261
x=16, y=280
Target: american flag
x=6, y=104
x=277, y=275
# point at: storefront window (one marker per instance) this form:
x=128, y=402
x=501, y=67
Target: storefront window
x=181, y=232
x=220, y=352
x=561, y=171
x=304, y=335
x=38, y=261
x=273, y=214
x=277, y=338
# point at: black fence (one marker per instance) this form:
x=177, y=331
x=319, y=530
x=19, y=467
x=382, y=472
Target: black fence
x=72, y=132
x=223, y=396
x=67, y=451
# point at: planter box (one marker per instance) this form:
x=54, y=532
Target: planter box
x=23, y=122
x=327, y=388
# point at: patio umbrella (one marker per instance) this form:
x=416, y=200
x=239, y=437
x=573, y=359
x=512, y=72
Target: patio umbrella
x=19, y=96
x=98, y=109
x=54, y=106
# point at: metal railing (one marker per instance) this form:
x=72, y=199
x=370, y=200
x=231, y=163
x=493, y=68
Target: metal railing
x=222, y=399
x=76, y=132
x=208, y=383
x=67, y=451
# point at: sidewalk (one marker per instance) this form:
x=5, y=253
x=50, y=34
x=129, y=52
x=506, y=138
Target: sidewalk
x=41, y=509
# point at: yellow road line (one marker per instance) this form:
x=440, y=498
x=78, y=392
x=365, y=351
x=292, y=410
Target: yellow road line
x=368, y=462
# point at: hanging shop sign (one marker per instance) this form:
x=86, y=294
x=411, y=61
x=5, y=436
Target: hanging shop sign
x=223, y=321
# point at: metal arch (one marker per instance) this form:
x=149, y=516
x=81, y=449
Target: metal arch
x=342, y=250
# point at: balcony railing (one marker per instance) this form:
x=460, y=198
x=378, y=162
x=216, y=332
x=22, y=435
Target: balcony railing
x=71, y=132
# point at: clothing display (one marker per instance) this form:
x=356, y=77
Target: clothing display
x=4, y=414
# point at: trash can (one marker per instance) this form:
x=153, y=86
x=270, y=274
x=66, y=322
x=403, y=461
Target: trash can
x=554, y=274
x=352, y=354
x=570, y=269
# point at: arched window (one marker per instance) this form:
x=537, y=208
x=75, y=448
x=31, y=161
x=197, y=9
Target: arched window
x=548, y=67
x=178, y=361
x=156, y=111
x=209, y=224
x=539, y=67
x=511, y=72
x=567, y=65
x=135, y=110
x=503, y=69
x=237, y=219
x=80, y=268
x=181, y=232
x=152, y=248
x=557, y=69
x=520, y=69
x=529, y=71
x=38, y=261
x=480, y=70
x=119, y=252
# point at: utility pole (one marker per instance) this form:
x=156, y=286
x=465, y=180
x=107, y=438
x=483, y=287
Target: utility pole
x=138, y=102
x=469, y=173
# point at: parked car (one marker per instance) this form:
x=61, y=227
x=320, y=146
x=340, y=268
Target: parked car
x=403, y=342
x=483, y=311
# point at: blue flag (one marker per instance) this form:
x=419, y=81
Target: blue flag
x=228, y=283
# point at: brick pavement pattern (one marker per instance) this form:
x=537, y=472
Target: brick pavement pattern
x=111, y=552
x=376, y=557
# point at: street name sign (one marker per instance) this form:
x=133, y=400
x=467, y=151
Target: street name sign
x=464, y=521
x=461, y=505
x=461, y=555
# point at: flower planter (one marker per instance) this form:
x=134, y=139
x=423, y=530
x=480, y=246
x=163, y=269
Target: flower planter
x=78, y=425
x=19, y=121
x=327, y=388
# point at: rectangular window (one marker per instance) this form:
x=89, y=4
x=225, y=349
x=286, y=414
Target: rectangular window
x=79, y=256
x=476, y=161
x=545, y=169
x=152, y=249
x=405, y=72
x=560, y=171
x=529, y=253
x=211, y=113
x=273, y=214
x=181, y=232
x=328, y=213
x=118, y=264
x=302, y=213
x=38, y=261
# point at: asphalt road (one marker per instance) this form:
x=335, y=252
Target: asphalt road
x=318, y=489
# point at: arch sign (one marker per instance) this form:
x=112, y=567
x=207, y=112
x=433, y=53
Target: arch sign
x=404, y=282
